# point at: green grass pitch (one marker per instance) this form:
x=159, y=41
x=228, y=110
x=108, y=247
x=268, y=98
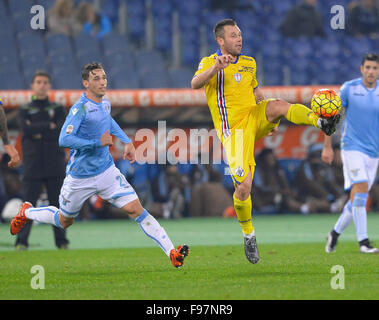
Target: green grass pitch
x=115, y=260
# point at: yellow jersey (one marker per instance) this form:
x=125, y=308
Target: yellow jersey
x=230, y=93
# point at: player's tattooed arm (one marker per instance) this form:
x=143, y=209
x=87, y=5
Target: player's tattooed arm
x=3, y=127
x=258, y=95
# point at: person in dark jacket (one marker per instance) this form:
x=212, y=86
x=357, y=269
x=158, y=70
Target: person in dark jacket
x=363, y=19
x=44, y=162
x=303, y=20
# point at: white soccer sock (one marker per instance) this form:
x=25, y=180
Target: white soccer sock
x=151, y=227
x=48, y=215
x=360, y=215
x=345, y=219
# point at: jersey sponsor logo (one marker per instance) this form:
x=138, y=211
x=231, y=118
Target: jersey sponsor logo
x=74, y=111
x=246, y=69
x=69, y=129
x=239, y=172
x=237, y=77
x=93, y=110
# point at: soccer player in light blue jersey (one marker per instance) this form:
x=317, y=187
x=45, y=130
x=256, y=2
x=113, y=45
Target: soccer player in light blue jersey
x=359, y=150
x=91, y=169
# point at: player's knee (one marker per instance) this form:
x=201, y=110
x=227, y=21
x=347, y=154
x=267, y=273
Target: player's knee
x=243, y=190
x=65, y=222
x=133, y=209
x=361, y=187
x=276, y=109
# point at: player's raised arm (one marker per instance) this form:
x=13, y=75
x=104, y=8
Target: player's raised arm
x=202, y=78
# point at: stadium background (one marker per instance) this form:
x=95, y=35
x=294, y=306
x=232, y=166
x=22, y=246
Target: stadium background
x=150, y=56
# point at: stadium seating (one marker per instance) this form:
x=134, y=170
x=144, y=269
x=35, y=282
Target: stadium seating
x=125, y=80
x=155, y=80
x=114, y=42
x=319, y=60
x=149, y=62
x=30, y=43
x=136, y=19
x=20, y=6
x=58, y=43
x=180, y=78
x=12, y=81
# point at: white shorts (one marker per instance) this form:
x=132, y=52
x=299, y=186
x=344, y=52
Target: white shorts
x=110, y=185
x=358, y=167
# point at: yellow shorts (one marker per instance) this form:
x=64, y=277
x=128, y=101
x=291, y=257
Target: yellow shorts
x=239, y=145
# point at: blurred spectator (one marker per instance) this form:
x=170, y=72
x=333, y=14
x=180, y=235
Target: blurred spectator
x=363, y=19
x=316, y=183
x=168, y=189
x=211, y=199
x=93, y=23
x=272, y=192
x=303, y=20
x=61, y=18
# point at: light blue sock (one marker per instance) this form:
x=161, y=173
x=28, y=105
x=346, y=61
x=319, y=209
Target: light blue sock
x=48, y=215
x=151, y=227
x=345, y=219
x=360, y=215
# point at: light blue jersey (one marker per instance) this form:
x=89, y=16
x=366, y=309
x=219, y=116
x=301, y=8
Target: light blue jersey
x=81, y=132
x=360, y=129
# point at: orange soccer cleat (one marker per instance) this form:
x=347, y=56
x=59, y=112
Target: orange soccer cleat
x=177, y=255
x=20, y=219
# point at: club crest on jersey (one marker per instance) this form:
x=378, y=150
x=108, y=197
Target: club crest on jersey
x=239, y=172
x=237, y=77
x=69, y=129
x=354, y=172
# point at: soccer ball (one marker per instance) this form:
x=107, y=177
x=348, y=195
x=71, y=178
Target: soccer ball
x=326, y=103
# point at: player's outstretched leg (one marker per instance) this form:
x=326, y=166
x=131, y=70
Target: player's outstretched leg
x=299, y=114
x=49, y=215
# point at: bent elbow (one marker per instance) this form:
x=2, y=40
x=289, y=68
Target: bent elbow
x=63, y=141
x=195, y=85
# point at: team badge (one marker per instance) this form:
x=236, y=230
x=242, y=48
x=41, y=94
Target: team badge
x=239, y=172
x=69, y=129
x=237, y=77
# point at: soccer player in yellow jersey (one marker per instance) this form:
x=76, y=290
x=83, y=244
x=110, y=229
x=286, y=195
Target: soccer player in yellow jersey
x=242, y=115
